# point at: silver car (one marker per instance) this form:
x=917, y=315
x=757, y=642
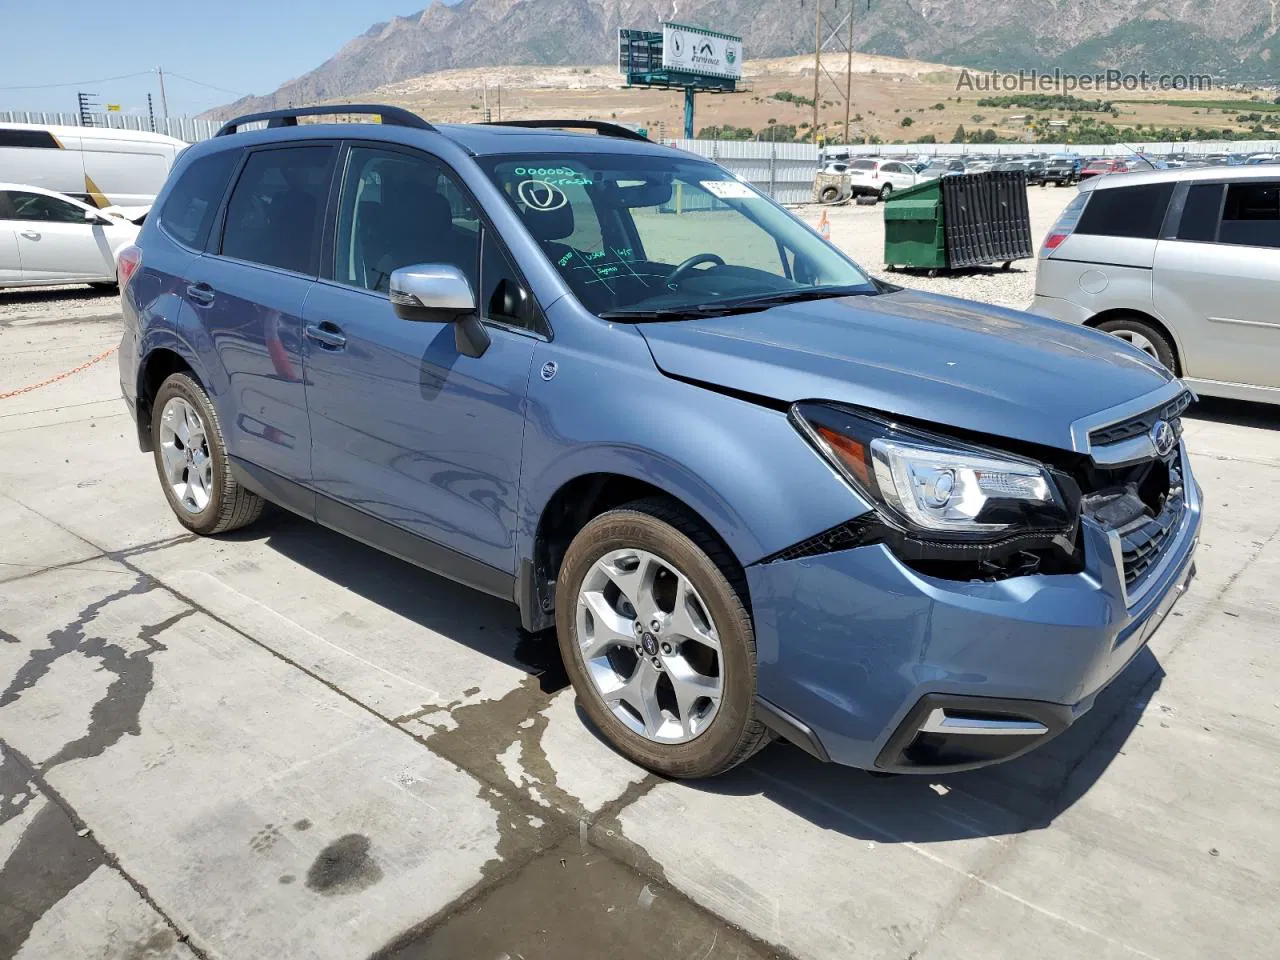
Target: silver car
x=1184, y=264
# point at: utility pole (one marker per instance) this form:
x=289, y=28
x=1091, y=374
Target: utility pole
x=817, y=61
x=499, y=103
x=848, y=77
x=164, y=101
x=485, y=94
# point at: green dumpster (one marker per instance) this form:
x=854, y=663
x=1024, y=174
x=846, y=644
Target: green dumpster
x=959, y=221
x=913, y=232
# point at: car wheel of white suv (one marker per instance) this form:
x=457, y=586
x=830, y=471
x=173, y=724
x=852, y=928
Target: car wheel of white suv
x=1145, y=337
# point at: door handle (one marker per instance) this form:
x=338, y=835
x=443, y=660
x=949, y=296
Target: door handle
x=328, y=335
x=201, y=293
x=30, y=234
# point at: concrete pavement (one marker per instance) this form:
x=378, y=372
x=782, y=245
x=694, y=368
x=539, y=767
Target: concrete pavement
x=281, y=743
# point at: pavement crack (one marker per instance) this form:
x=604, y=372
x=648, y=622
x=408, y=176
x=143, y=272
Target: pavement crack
x=54, y=855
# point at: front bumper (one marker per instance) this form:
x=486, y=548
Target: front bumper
x=881, y=667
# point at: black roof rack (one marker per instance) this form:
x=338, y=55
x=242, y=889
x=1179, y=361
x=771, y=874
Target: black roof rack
x=395, y=116
x=602, y=127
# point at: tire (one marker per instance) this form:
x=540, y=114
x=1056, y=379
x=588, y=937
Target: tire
x=227, y=505
x=829, y=195
x=105, y=286
x=672, y=540
x=886, y=191
x=1145, y=336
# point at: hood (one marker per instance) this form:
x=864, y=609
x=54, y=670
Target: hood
x=918, y=355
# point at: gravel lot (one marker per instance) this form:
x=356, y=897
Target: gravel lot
x=859, y=231
x=283, y=744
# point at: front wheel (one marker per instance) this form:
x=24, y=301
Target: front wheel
x=191, y=459
x=656, y=637
x=886, y=191
x=1145, y=337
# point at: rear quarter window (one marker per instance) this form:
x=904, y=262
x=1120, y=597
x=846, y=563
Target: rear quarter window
x=192, y=204
x=1136, y=211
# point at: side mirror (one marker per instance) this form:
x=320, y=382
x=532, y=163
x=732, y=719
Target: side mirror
x=440, y=293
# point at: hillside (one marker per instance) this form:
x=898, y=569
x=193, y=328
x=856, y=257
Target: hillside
x=1234, y=39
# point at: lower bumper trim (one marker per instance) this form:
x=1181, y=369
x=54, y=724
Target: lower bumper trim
x=945, y=734
x=791, y=729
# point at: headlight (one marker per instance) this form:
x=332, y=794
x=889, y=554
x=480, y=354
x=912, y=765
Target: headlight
x=932, y=487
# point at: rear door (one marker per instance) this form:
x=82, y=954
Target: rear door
x=10, y=265
x=249, y=292
x=898, y=174
x=1217, y=273
x=56, y=242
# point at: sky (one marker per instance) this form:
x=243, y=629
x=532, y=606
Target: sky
x=237, y=46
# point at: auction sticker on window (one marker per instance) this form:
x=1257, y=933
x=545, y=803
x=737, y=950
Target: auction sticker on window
x=728, y=189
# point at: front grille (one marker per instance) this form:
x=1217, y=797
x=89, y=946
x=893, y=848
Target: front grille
x=1143, y=546
x=1137, y=426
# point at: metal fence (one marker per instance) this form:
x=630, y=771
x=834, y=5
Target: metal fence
x=782, y=170
x=190, y=129
x=1191, y=148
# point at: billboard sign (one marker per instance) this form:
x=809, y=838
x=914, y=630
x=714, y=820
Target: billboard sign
x=694, y=50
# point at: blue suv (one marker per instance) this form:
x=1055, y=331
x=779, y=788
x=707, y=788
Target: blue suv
x=756, y=491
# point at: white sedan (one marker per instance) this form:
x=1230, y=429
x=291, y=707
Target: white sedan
x=47, y=238
x=880, y=177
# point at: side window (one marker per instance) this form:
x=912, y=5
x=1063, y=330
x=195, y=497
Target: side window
x=10, y=137
x=43, y=209
x=502, y=296
x=1251, y=215
x=397, y=210
x=192, y=204
x=1127, y=211
x=1200, y=213
x=277, y=208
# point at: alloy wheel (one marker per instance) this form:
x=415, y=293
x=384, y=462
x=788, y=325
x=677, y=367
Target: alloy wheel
x=649, y=646
x=1138, y=340
x=184, y=453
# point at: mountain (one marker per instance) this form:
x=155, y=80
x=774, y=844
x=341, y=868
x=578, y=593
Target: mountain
x=1230, y=39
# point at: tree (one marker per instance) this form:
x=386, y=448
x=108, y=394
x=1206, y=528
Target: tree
x=927, y=138
x=959, y=135
x=907, y=121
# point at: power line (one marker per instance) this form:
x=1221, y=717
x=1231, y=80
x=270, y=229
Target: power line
x=201, y=83
x=76, y=83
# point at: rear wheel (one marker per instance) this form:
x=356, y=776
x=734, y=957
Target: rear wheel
x=656, y=637
x=1144, y=336
x=886, y=191
x=191, y=459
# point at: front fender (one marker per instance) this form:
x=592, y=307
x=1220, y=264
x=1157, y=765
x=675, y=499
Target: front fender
x=742, y=467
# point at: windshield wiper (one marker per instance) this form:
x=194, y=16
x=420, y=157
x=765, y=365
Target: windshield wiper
x=726, y=308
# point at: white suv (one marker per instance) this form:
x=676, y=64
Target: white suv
x=880, y=177
x=1184, y=264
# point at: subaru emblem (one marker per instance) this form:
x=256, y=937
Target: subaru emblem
x=1163, y=437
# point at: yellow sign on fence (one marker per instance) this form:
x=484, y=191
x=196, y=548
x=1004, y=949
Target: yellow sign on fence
x=113, y=108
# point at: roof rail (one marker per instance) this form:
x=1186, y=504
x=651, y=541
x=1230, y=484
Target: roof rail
x=603, y=127
x=395, y=116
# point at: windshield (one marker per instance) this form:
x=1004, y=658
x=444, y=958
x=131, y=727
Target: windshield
x=645, y=234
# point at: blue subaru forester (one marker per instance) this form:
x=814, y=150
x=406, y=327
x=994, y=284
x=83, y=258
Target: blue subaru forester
x=756, y=491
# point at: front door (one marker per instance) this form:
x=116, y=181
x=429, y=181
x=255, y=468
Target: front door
x=404, y=428
x=1215, y=282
